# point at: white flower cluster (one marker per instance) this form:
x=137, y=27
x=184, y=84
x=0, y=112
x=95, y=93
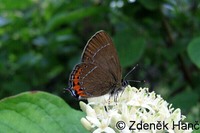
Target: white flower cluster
x=134, y=106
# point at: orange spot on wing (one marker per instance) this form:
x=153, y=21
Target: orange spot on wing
x=81, y=93
x=77, y=87
x=77, y=74
x=76, y=80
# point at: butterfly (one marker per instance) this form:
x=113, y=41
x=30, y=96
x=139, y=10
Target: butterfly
x=99, y=72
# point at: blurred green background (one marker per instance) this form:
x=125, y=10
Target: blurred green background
x=41, y=41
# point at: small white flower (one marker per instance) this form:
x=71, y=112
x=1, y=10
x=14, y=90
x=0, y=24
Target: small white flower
x=86, y=124
x=139, y=105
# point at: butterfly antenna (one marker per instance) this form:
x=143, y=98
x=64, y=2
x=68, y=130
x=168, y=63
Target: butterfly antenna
x=139, y=81
x=130, y=71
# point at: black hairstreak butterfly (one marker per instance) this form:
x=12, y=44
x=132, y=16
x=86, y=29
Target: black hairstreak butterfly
x=99, y=72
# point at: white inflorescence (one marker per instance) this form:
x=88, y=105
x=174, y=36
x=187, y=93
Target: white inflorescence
x=133, y=105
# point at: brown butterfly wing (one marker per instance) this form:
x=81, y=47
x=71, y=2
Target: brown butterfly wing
x=99, y=72
x=101, y=52
x=107, y=75
x=93, y=81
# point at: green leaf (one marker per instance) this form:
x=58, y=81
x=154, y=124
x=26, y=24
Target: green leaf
x=196, y=131
x=193, y=51
x=185, y=100
x=38, y=112
x=8, y=4
x=67, y=17
x=151, y=4
x=130, y=47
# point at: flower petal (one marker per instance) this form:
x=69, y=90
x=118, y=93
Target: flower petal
x=86, y=124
